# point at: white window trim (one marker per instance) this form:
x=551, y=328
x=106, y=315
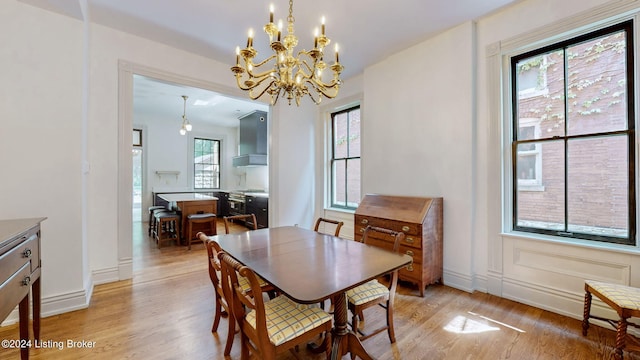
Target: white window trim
x=326, y=111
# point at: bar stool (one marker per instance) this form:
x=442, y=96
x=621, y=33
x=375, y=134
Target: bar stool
x=205, y=218
x=152, y=219
x=167, y=226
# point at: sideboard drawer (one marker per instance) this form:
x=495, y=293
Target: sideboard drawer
x=26, y=252
x=14, y=289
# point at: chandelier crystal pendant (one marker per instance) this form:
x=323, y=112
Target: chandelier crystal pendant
x=186, y=125
x=287, y=72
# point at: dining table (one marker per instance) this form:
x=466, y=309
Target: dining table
x=310, y=267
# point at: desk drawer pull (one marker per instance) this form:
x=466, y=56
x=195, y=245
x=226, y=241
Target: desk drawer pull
x=364, y=221
x=26, y=253
x=361, y=230
x=409, y=252
x=405, y=228
x=409, y=240
x=410, y=267
x=26, y=281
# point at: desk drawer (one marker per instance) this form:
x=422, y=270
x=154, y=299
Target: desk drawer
x=409, y=240
x=14, y=289
x=27, y=252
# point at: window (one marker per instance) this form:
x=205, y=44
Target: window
x=529, y=156
x=206, y=163
x=345, y=158
x=573, y=144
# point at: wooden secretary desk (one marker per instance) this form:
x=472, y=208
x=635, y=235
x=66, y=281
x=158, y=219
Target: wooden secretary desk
x=420, y=219
x=19, y=273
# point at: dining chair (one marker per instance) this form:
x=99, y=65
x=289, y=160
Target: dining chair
x=373, y=292
x=221, y=305
x=221, y=301
x=247, y=218
x=625, y=300
x=323, y=222
x=269, y=328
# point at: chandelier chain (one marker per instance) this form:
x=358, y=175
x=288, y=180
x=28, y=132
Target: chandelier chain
x=290, y=18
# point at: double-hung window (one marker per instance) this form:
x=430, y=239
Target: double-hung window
x=573, y=158
x=206, y=163
x=345, y=158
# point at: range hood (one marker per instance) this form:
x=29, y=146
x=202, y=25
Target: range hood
x=253, y=140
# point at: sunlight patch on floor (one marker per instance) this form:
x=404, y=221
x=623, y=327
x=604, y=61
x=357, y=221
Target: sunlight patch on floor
x=467, y=325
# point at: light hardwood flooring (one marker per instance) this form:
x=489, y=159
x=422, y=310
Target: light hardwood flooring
x=166, y=310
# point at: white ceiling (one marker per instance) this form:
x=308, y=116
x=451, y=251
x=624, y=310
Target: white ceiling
x=368, y=31
x=153, y=97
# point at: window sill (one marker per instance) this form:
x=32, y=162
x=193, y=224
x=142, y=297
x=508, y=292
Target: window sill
x=342, y=210
x=588, y=244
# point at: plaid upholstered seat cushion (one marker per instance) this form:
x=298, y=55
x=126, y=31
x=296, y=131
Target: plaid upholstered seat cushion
x=286, y=320
x=624, y=296
x=366, y=292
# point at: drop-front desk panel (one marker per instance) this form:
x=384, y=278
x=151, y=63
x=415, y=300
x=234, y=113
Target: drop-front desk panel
x=20, y=272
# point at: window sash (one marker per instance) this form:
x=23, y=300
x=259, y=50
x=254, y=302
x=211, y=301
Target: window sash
x=567, y=229
x=206, y=164
x=342, y=187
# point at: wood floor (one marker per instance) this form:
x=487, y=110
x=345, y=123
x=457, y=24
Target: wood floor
x=165, y=312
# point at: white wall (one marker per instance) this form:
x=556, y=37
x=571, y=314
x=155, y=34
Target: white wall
x=418, y=133
x=40, y=141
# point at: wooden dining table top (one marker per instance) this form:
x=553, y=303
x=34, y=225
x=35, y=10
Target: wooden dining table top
x=306, y=265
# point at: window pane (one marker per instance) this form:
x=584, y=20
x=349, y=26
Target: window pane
x=545, y=106
x=206, y=160
x=338, y=181
x=354, y=133
x=598, y=186
x=542, y=208
x=353, y=182
x=340, y=135
x=597, y=85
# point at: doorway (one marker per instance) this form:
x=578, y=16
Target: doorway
x=128, y=72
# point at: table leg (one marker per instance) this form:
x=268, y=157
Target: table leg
x=37, y=300
x=23, y=312
x=344, y=341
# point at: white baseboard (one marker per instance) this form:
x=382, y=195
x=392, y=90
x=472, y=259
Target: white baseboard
x=457, y=280
x=57, y=304
x=125, y=269
x=104, y=276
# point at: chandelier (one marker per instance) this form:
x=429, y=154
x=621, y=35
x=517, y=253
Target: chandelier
x=186, y=125
x=286, y=72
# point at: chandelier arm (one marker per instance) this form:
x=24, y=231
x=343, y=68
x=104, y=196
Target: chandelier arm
x=315, y=100
x=322, y=90
x=240, y=85
x=263, y=61
x=261, y=92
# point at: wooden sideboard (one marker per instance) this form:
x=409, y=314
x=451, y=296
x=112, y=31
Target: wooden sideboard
x=420, y=219
x=19, y=272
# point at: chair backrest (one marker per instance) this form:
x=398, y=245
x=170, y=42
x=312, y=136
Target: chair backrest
x=246, y=218
x=213, y=248
x=242, y=303
x=398, y=236
x=320, y=221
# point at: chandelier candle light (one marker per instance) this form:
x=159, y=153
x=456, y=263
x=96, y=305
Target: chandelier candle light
x=295, y=74
x=186, y=126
